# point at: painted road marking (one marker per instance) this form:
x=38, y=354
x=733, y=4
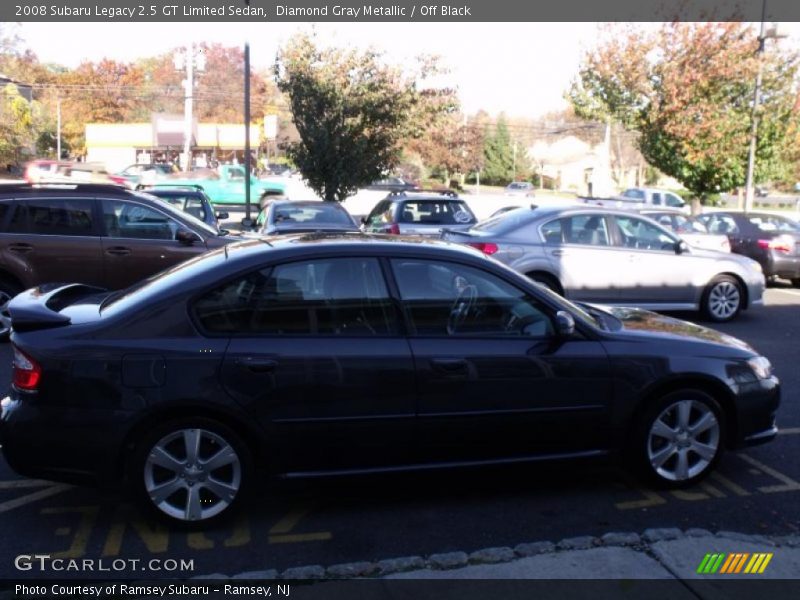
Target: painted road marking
x=789, y=484
x=790, y=292
x=81, y=540
x=280, y=532
x=789, y=431
x=727, y=483
x=34, y=497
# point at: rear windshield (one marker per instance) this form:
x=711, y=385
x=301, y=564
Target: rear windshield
x=324, y=214
x=507, y=221
x=437, y=212
x=773, y=223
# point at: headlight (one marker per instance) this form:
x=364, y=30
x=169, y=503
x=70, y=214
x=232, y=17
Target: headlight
x=761, y=367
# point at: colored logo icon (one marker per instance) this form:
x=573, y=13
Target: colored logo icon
x=734, y=563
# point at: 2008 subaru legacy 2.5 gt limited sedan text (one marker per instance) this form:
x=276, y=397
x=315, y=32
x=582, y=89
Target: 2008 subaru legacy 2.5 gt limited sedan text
x=329, y=354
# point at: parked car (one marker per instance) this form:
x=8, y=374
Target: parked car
x=321, y=354
x=227, y=184
x=140, y=175
x=772, y=240
x=520, y=188
x=43, y=170
x=189, y=199
x=292, y=216
x=420, y=213
x=690, y=229
x=638, y=198
x=393, y=184
x=98, y=235
x=617, y=257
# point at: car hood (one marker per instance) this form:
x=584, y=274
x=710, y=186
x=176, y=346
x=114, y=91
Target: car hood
x=636, y=322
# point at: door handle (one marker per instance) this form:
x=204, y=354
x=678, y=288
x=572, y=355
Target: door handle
x=257, y=365
x=557, y=252
x=119, y=251
x=449, y=365
x=20, y=248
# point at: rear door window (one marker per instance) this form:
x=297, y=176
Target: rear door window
x=587, y=230
x=135, y=221
x=54, y=216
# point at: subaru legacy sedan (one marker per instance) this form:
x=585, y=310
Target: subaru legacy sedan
x=322, y=354
x=617, y=257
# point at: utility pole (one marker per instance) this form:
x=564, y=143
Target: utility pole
x=58, y=127
x=247, y=220
x=188, y=108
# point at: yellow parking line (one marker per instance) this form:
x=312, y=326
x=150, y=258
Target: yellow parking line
x=29, y=498
x=790, y=485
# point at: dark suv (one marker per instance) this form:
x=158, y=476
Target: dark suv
x=100, y=235
x=420, y=213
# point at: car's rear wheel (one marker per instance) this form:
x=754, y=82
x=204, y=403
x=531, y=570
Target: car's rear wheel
x=7, y=291
x=796, y=282
x=679, y=440
x=722, y=299
x=191, y=471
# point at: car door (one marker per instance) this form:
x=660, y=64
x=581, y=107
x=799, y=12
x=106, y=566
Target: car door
x=55, y=240
x=655, y=272
x=495, y=382
x=317, y=358
x=139, y=241
x=580, y=250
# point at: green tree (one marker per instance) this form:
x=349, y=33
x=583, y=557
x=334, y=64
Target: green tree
x=349, y=110
x=498, y=150
x=687, y=89
x=17, y=131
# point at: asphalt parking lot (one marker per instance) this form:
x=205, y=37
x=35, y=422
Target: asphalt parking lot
x=370, y=518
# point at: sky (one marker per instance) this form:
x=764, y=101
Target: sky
x=521, y=69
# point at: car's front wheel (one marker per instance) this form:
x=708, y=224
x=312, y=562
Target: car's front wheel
x=191, y=471
x=679, y=440
x=796, y=282
x=722, y=299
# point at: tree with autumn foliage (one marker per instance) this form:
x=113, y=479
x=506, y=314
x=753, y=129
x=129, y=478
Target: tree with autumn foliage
x=687, y=89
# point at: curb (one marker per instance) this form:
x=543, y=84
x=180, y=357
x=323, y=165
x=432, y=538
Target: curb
x=503, y=554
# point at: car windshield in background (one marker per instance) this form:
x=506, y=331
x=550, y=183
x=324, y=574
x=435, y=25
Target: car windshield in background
x=507, y=221
x=437, y=212
x=324, y=214
x=181, y=215
x=774, y=223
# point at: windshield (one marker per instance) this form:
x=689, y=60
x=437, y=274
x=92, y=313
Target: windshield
x=179, y=214
x=319, y=214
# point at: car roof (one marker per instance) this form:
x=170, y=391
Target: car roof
x=422, y=195
x=48, y=189
x=302, y=203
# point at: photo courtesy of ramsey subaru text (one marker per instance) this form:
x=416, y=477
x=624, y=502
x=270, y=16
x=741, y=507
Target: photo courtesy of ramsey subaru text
x=326, y=354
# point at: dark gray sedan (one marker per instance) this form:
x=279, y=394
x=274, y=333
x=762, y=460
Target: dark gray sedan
x=616, y=257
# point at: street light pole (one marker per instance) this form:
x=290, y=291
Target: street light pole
x=751, y=157
x=188, y=107
x=247, y=131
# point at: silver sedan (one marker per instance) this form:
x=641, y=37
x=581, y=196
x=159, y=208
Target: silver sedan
x=608, y=256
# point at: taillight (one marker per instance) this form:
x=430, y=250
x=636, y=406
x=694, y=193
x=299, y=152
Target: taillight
x=26, y=372
x=394, y=228
x=781, y=244
x=485, y=247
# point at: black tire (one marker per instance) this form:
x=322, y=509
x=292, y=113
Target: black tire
x=7, y=291
x=796, y=282
x=166, y=441
x=702, y=449
x=722, y=299
x=548, y=281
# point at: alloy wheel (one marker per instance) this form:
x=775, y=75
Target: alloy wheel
x=5, y=317
x=683, y=440
x=192, y=474
x=723, y=300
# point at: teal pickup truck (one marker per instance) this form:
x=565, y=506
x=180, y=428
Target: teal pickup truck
x=226, y=185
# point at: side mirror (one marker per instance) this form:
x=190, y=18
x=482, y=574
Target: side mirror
x=363, y=220
x=222, y=216
x=681, y=247
x=186, y=237
x=565, y=323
